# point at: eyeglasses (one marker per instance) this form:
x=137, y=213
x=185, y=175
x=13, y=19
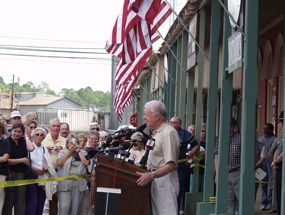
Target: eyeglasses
x=32, y=127
x=173, y=122
x=39, y=135
x=97, y=129
x=16, y=118
x=203, y=131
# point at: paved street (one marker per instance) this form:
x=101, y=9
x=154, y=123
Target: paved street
x=257, y=206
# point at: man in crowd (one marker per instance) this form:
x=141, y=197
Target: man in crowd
x=94, y=126
x=188, y=148
x=191, y=129
x=54, y=143
x=264, y=162
x=32, y=116
x=277, y=163
x=234, y=166
x=64, y=129
x=162, y=161
x=201, y=163
x=15, y=116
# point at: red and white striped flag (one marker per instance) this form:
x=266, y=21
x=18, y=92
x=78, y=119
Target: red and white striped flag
x=131, y=41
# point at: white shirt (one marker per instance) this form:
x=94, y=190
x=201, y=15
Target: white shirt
x=37, y=157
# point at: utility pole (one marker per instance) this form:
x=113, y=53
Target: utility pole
x=12, y=93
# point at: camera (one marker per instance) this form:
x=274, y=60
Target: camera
x=74, y=142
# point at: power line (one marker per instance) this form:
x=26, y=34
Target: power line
x=52, y=56
x=43, y=39
x=48, y=50
x=53, y=61
x=52, y=47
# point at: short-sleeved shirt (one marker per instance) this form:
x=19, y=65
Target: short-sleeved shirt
x=4, y=149
x=48, y=141
x=37, y=157
x=17, y=151
x=185, y=139
x=234, y=151
x=267, y=143
x=166, y=147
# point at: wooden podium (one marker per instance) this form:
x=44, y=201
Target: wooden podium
x=115, y=173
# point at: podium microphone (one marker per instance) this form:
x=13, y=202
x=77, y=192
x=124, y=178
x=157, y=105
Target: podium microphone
x=149, y=146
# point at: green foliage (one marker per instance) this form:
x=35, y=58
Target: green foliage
x=86, y=97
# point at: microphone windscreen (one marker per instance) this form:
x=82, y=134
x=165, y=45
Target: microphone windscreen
x=126, y=146
x=115, y=143
x=91, y=152
x=109, y=139
x=141, y=128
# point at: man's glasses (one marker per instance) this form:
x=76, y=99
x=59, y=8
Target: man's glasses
x=97, y=129
x=39, y=135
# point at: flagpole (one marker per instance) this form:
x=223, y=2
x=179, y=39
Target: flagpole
x=231, y=17
x=145, y=90
x=191, y=35
x=153, y=71
x=166, y=70
x=172, y=53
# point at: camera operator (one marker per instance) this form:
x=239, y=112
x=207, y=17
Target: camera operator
x=71, y=161
x=137, y=150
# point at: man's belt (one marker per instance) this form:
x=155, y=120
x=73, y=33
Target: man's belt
x=235, y=169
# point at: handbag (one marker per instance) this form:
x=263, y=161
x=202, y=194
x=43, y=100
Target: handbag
x=29, y=174
x=10, y=177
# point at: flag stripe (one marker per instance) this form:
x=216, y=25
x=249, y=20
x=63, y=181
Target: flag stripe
x=131, y=40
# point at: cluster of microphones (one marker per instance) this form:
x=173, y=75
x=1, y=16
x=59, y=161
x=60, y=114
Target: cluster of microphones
x=119, y=144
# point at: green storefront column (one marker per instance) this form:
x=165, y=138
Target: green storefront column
x=193, y=198
x=182, y=100
x=250, y=82
x=178, y=77
x=224, y=132
x=283, y=105
x=206, y=207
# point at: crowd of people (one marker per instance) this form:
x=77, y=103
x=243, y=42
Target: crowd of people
x=53, y=151
x=48, y=152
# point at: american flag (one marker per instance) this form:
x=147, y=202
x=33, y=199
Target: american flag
x=131, y=41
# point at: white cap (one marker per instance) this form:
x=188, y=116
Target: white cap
x=15, y=114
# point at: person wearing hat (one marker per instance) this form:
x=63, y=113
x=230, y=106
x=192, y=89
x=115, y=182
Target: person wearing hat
x=277, y=162
x=15, y=116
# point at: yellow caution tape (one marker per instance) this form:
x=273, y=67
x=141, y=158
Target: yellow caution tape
x=16, y=183
x=212, y=199
x=198, y=165
x=265, y=182
x=183, y=160
x=186, y=159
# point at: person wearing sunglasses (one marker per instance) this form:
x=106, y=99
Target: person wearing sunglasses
x=29, y=127
x=94, y=126
x=71, y=161
x=36, y=195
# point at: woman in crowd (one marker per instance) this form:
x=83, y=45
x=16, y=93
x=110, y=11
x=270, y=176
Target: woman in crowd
x=71, y=161
x=4, y=156
x=35, y=194
x=29, y=127
x=17, y=163
x=137, y=151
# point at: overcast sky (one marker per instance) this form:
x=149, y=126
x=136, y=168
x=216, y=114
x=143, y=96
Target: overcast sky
x=83, y=25
x=29, y=28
